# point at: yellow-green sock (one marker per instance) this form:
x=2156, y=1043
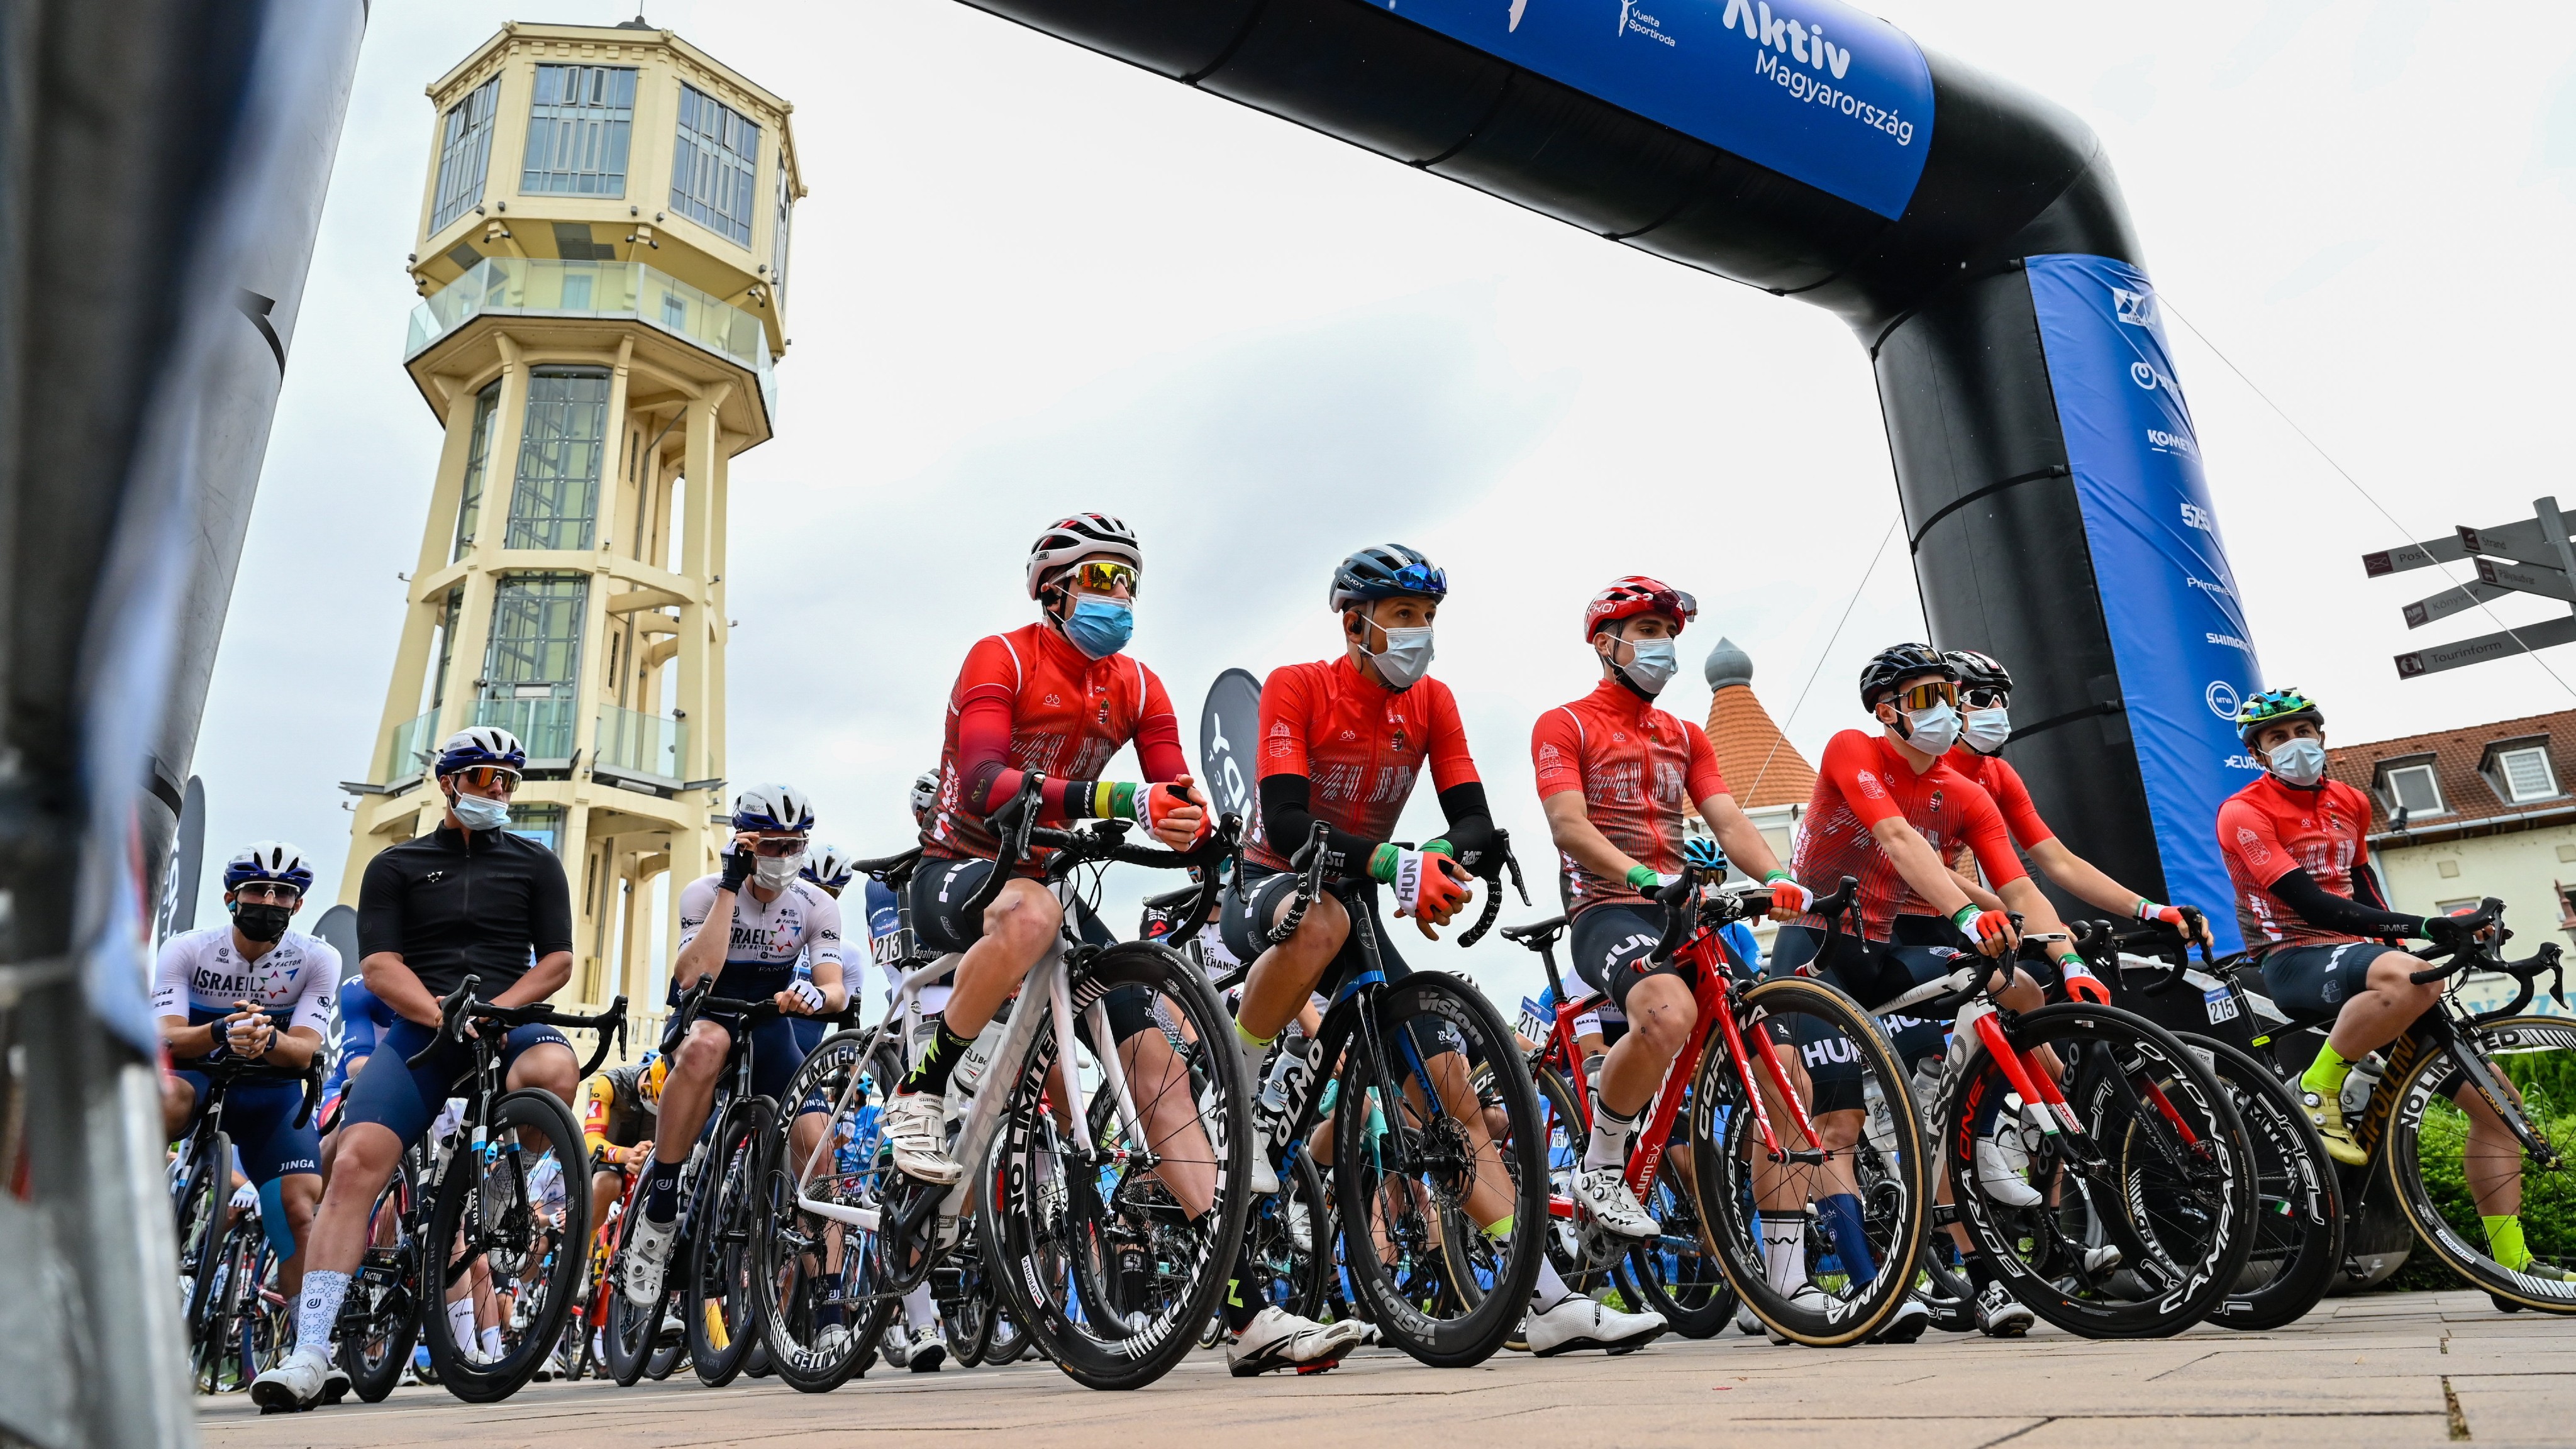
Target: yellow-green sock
x=2325, y=1075
x=1500, y=1227
x=2504, y=1237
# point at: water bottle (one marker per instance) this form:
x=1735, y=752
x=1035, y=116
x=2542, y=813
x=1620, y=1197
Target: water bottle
x=2363, y=1081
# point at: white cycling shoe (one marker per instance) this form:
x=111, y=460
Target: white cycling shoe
x=648, y=1257
x=2000, y=1178
x=295, y=1384
x=1745, y=1322
x=926, y=1352
x=1265, y=1177
x=916, y=1127
x=1604, y=1193
x=2001, y=1315
x=831, y=1341
x=1808, y=1299
x=1279, y=1339
x=1577, y=1322
x=1906, y=1324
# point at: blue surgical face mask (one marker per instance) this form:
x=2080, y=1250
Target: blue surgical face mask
x=1406, y=657
x=1100, y=627
x=1987, y=729
x=481, y=814
x=1935, y=730
x=1657, y=661
x=2299, y=762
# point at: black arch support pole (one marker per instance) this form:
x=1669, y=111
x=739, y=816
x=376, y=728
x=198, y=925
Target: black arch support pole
x=1970, y=234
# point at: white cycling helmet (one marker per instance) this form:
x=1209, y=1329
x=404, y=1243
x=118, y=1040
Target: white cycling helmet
x=268, y=860
x=773, y=808
x=828, y=866
x=1081, y=536
x=925, y=794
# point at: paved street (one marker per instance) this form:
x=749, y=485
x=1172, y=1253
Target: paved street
x=2388, y=1369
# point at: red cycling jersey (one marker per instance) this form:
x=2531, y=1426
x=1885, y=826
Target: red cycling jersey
x=2269, y=829
x=1862, y=781
x=1359, y=743
x=1638, y=768
x=1028, y=700
x=2002, y=784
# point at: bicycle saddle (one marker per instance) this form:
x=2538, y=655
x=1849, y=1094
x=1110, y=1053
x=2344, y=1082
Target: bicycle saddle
x=1536, y=932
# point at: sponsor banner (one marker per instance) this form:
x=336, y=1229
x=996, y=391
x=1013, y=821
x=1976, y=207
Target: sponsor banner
x=1813, y=89
x=2168, y=595
x=1228, y=724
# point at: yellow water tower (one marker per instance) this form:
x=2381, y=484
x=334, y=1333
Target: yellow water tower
x=603, y=271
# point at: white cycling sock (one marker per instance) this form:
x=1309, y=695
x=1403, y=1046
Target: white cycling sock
x=319, y=1308
x=1609, y=1145
x=918, y=1311
x=1551, y=1289
x=1784, y=1251
x=1252, y=1051
x=492, y=1343
x=460, y=1321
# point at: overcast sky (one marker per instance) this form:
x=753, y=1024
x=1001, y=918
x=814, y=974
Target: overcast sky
x=1031, y=280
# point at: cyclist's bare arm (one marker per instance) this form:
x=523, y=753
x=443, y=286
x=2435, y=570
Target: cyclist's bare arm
x=1570, y=825
x=1741, y=839
x=543, y=980
x=705, y=951
x=1913, y=858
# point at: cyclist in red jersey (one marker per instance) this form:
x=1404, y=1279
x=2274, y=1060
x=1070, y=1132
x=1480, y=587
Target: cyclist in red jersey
x=1888, y=809
x=1615, y=776
x=1060, y=696
x=1985, y=708
x=2296, y=845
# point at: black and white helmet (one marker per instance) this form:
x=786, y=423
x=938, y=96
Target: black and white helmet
x=773, y=808
x=1081, y=536
x=925, y=794
x=1978, y=671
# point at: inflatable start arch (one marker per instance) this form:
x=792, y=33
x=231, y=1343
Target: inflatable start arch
x=1970, y=234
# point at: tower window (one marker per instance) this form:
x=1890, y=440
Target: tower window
x=556, y=499
x=478, y=458
x=713, y=166
x=464, y=153
x=579, y=128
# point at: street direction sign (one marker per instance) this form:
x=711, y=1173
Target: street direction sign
x=2533, y=556
x=2501, y=645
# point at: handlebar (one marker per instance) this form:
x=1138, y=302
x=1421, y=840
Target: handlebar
x=2468, y=953
x=458, y=1006
x=228, y=1070
x=1309, y=863
x=1093, y=842
x=1504, y=860
x=2101, y=942
x=1685, y=909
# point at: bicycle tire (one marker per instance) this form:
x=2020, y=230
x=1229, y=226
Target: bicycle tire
x=225, y=1344
x=2299, y=1229
x=264, y=1329
x=530, y=1111
x=1725, y=1146
x=723, y=1281
x=1691, y=1290
x=1461, y=1272
x=1041, y=1236
x=373, y=1373
x=1566, y=1137
x=633, y=1333
x=789, y=1237
x=2419, y=1086
x=203, y=1230
x=2196, y=1198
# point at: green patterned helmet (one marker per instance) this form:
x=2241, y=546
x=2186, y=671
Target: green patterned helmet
x=2275, y=707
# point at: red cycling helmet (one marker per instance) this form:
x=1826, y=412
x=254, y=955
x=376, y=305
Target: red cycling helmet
x=1638, y=594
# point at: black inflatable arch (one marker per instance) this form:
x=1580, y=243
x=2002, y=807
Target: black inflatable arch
x=1936, y=293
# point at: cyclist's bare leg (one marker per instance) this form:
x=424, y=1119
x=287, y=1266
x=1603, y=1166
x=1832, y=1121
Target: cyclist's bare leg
x=2387, y=1005
x=1159, y=1084
x=1662, y=1013
x=605, y=1189
x=549, y=1065
x=2492, y=1160
x=365, y=1161
x=1490, y=1200
x=689, y=1090
x=300, y=1194
x=178, y=1099
x=1285, y=975
x=1019, y=926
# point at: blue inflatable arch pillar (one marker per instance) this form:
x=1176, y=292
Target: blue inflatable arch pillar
x=1972, y=237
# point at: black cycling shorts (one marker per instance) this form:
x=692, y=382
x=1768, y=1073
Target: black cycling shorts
x=938, y=893
x=392, y=1093
x=775, y=1051
x=1611, y=944
x=1244, y=920
x=1869, y=975
x=259, y=1116
x=2311, y=983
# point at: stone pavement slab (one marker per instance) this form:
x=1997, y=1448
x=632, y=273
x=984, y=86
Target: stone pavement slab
x=2417, y=1369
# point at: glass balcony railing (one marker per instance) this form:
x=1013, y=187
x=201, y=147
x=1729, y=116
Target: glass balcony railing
x=646, y=744
x=407, y=753
x=537, y=287
x=539, y=714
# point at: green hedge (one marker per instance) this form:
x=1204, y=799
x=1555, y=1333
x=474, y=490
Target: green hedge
x=2547, y=1082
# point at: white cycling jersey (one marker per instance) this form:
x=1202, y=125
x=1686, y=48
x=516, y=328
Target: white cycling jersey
x=801, y=921
x=201, y=977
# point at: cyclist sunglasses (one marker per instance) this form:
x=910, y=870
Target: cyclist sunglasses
x=1986, y=696
x=1925, y=695
x=778, y=847
x=1421, y=578
x=1100, y=576
x=489, y=777
x=268, y=892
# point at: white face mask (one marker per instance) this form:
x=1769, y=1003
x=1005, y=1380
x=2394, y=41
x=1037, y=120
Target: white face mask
x=1935, y=729
x=2300, y=762
x=1406, y=657
x=774, y=872
x=1987, y=729
x=1656, y=663
x=480, y=814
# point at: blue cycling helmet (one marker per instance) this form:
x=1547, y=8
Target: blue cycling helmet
x=828, y=867
x=268, y=860
x=481, y=745
x=773, y=808
x=1386, y=572
x=1701, y=852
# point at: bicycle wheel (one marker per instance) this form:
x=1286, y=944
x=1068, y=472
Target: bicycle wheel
x=222, y=1340
x=380, y=1317
x=733, y=1199
x=1112, y=1266
x=815, y=1268
x=202, y=1208
x=1561, y=1128
x=1675, y=1275
x=268, y=1320
x=486, y=1211
x=2168, y=1182
x=633, y=1333
x=1856, y=1194
x=2298, y=1219
x=1423, y=1168
x=2445, y=1176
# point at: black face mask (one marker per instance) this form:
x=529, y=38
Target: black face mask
x=261, y=921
